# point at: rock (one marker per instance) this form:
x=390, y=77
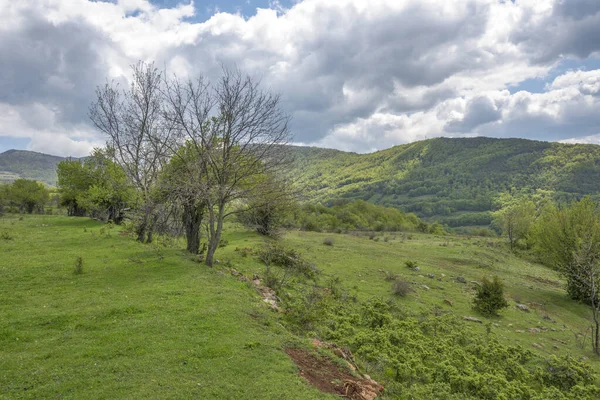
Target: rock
x=425, y=287
x=460, y=279
x=416, y=269
x=446, y=301
x=547, y=318
x=430, y=276
x=242, y=278
x=440, y=287
x=443, y=275
x=523, y=307
x=475, y=283
x=234, y=272
x=256, y=282
x=538, y=345
x=555, y=347
x=473, y=319
x=519, y=331
x=509, y=325
x=439, y=279
x=534, y=330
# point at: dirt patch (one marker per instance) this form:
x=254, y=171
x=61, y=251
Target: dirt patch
x=544, y=281
x=329, y=377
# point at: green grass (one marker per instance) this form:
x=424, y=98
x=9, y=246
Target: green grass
x=146, y=321
x=137, y=323
x=361, y=264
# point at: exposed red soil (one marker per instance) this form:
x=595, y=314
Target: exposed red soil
x=328, y=377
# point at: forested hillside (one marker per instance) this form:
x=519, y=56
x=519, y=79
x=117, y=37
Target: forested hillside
x=454, y=181
x=15, y=164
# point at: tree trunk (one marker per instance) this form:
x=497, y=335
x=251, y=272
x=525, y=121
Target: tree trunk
x=215, y=235
x=192, y=219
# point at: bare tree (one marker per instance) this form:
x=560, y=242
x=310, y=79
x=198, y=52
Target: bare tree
x=138, y=134
x=237, y=131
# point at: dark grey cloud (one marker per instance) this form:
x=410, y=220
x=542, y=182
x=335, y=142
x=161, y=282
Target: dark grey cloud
x=57, y=65
x=572, y=29
x=480, y=110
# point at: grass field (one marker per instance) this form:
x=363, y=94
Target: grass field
x=138, y=323
x=146, y=321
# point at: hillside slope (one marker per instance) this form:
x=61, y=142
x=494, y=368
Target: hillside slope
x=454, y=180
x=15, y=164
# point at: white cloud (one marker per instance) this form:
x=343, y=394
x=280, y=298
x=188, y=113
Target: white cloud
x=355, y=74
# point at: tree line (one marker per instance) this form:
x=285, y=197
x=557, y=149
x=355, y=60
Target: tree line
x=181, y=155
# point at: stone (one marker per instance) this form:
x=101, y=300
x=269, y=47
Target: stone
x=523, y=307
x=460, y=279
x=538, y=345
x=446, y=301
x=430, y=276
x=425, y=287
x=534, y=330
x=416, y=269
x=443, y=275
x=473, y=319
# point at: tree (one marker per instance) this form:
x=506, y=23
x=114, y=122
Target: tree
x=237, y=131
x=133, y=120
x=73, y=182
x=561, y=234
x=96, y=186
x=181, y=184
x=266, y=211
x=587, y=268
x=28, y=195
x=516, y=219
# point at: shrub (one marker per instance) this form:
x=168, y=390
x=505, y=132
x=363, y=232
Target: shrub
x=328, y=241
x=489, y=298
x=401, y=288
x=390, y=276
x=78, y=266
x=274, y=254
x=410, y=264
x=6, y=236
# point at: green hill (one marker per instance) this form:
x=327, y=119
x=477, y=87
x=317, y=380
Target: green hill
x=15, y=164
x=451, y=180
x=454, y=181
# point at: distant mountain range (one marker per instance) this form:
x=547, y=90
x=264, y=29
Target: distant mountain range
x=451, y=180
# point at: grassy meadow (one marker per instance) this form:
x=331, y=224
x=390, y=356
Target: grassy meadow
x=148, y=321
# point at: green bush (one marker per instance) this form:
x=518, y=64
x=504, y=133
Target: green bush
x=489, y=298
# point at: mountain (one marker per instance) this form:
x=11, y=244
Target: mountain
x=452, y=180
x=15, y=164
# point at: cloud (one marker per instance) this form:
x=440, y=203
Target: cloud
x=355, y=74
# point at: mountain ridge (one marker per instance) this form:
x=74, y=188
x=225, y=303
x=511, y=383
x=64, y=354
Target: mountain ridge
x=456, y=181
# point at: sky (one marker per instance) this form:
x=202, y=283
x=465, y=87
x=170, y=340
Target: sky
x=356, y=75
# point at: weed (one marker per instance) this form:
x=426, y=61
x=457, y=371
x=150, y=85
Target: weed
x=6, y=236
x=78, y=270
x=390, y=276
x=401, y=288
